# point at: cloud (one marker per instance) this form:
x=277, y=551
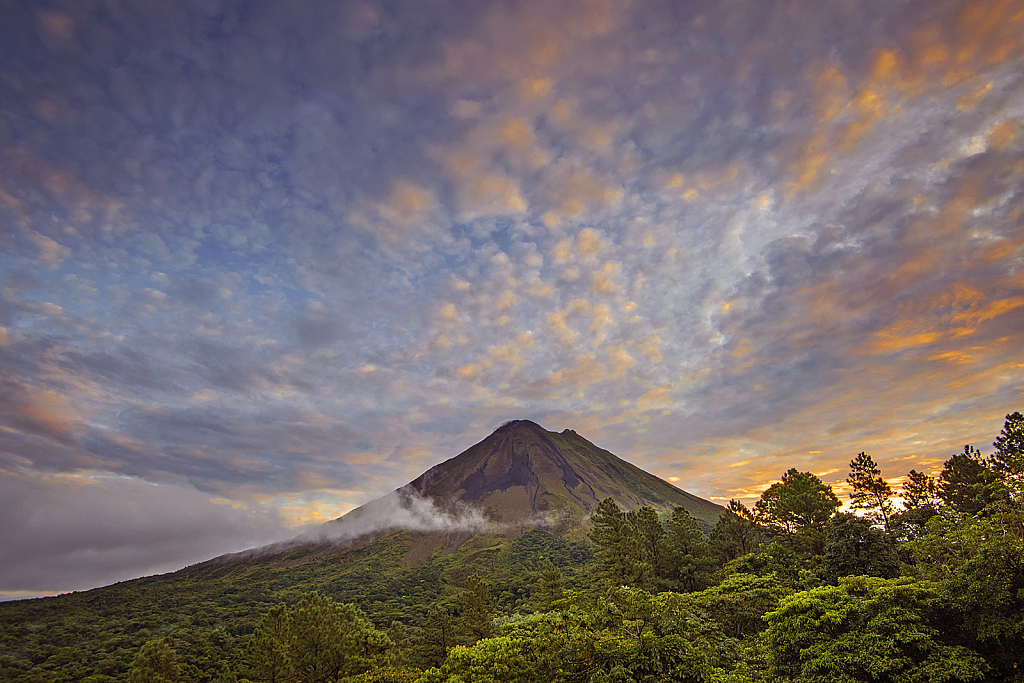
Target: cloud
x=40, y=413
x=403, y=509
x=72, y=533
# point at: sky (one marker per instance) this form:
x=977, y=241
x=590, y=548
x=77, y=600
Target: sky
x=262, y=262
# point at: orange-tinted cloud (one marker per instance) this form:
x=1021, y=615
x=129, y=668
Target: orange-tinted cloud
x=954, y=312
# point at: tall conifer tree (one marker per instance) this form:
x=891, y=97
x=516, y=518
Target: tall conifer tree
x=870, y=491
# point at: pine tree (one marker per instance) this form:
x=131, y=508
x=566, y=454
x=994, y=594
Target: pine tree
x=439, y=634
x=477, y=612
x=330, y=640
x=644, y=543
x=611, y=536
x=735, y=534
x=551, y=587
x=1008, y=460
x=919, y=490
x=920, y=493
x=967, y=483
x=268, y=650
x=402, y=645
x=870, y=491
x=686, y=561
x=315, y=631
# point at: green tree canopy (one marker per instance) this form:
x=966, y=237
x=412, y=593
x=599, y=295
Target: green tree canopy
x=628, y=544
x=316, y=641
x=269, y=648
x=867, y=629
x=477, y=611
x=550, y=587
x=155, y=662
x=798, y=508
x=979, y=561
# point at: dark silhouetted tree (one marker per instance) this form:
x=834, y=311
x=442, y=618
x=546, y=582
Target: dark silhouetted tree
x=919, y=490
x=967, y=483
x=870, y=491
x=853, y=547
x=1008, y=460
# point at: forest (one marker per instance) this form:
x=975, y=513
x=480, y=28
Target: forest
x=920, y=583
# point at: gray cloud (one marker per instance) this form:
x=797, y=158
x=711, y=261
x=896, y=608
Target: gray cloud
x=71, y=535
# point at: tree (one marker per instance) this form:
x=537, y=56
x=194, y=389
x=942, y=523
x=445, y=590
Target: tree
x=740, y=601
x=610, y=536
x=979, y=561
x=401, y=645
x=226, y=674
x=626, y=545
x=854, y=547
x=867, y=629
x=628, y=635
x=685, y=560
x=476, y=609
x=1008, y=460
x=919, y=490
x=316, y=641
x=439, y=635
x=968, y=484
x=870, y=491
x=550, y=587
x=645, y=539
x=268, y=650
x=798, y=508
x=735, y=534
x=154, y=663
x=492, y=660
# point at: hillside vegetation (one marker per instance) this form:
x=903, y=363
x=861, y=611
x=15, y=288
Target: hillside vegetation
x=921, y=584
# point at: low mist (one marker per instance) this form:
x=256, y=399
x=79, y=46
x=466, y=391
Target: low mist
x=402, y=509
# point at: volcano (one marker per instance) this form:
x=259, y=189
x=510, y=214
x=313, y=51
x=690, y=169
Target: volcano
x=521, y=475
x=498, y=510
